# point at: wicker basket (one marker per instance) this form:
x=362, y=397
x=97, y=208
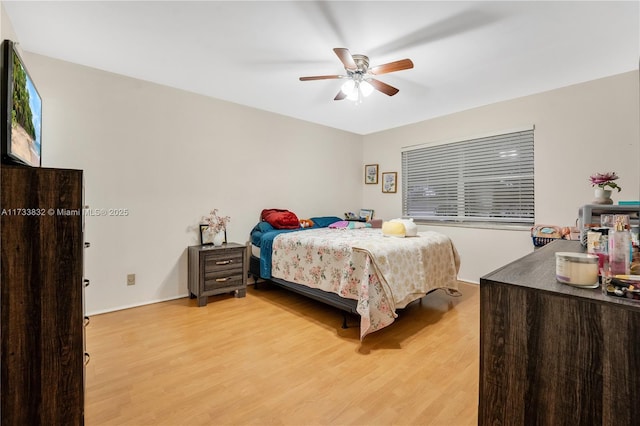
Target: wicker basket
x=545, y=234
x=540, y=241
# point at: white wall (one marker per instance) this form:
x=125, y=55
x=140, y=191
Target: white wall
x=170, y=156
x=579, y=130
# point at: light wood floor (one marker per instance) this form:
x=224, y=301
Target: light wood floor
x=276, y=358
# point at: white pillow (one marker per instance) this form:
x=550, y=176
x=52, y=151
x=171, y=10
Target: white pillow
x=410, y=228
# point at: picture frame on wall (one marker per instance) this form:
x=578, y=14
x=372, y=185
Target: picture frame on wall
x=371, y=174
x=389, y=182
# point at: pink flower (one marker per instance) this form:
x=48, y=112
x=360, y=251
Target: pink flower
x=603, y=180
x=214, y=222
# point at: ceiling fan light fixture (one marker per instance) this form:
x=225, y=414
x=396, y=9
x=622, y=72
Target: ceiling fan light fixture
x=348, y=87
x=354, y=95
x=366, y=88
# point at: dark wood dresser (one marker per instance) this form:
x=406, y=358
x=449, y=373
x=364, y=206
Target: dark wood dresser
x=41, y=293
x=553, y=354
x=216, y=270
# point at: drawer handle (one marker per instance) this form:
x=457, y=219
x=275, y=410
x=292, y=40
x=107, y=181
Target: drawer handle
x=87, y=320
x=87, y=358
x=86, y=282
x=87, y=244
x=221, y=280
x=224, y=262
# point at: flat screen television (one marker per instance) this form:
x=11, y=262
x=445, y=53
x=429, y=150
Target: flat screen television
x=20, y=112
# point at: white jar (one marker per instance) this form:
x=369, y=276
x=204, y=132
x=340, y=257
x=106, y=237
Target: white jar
x=579, y=269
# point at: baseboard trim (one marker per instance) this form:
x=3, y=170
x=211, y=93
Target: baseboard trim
x=151, y=302
x=136, y=305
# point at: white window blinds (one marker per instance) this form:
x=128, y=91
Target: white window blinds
x=484, y=180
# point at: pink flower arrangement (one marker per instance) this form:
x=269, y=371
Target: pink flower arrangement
x=214, y=222
x=603, y=180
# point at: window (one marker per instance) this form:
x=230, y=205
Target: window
x=486, y=180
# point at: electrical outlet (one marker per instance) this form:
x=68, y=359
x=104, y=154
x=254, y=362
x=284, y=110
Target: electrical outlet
x=131, y=279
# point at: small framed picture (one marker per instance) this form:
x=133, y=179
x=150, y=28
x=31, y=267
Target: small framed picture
x=206, y=237
x=366, y=214
x=389, y=182
x=371, y=174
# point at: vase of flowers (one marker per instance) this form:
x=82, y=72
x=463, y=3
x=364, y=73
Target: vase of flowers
x=602, y=181
x=216, y=227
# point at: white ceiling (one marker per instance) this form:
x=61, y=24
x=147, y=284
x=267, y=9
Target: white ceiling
x=466, y=54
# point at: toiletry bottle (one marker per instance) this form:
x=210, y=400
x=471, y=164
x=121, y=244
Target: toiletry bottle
x=598, y=244
x=619, y=250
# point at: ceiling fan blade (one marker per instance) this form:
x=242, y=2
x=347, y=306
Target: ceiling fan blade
x=345, y=57
x=383, y=87
x=403, y=64
x=320, y=77
x=340, y=96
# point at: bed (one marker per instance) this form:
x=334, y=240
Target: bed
x=356, y=269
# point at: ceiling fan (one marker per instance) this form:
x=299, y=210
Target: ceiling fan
x=360, y=81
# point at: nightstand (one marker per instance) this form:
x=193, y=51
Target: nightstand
x=217, y=270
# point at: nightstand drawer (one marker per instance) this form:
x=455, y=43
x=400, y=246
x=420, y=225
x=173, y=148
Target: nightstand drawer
x=223, y=260
x=217, y=281
x=222, y=274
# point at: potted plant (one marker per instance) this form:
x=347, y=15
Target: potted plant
x=216, y=226
x=600, y=181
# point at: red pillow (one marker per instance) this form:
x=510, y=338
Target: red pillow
x=280, y=219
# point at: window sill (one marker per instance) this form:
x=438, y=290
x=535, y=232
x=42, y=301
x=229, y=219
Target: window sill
x=477, y=225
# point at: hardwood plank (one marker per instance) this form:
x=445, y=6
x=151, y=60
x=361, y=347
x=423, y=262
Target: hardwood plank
x=277, y=358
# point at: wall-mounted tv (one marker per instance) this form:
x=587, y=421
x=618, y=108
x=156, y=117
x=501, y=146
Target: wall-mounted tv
x=20, y=112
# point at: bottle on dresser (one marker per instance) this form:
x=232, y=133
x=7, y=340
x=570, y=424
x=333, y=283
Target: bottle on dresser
x=620, y=246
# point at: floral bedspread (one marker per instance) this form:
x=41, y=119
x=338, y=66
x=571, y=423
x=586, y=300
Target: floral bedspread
x=381, y=273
